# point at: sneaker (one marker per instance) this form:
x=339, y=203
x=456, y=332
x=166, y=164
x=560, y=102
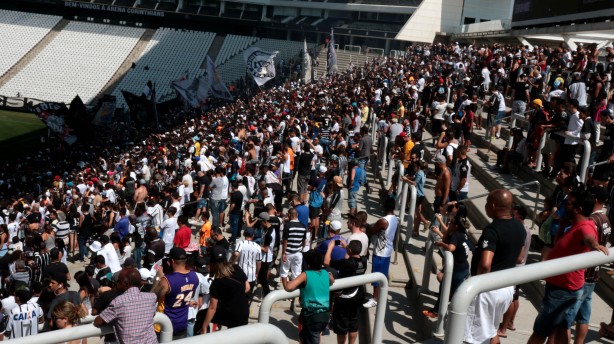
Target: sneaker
x=498, y=135
x=370, y=304
x=427, y=226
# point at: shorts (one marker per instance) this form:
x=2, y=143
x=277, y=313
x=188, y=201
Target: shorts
x=485, y=314
x=380, y=264
x=519, y=107
x=437, y=203
x=311, y=327
x=345, y=314
x=550, y=147
x=352, y=199
x=202, y=203
x=556, y=310
x=499, y=118
x=314, y=212
x=294, y=262
x=582, y=308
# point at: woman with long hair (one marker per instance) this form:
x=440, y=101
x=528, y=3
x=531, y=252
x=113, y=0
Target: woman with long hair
x=454, y=239
x=228, y=305
x=68, y=315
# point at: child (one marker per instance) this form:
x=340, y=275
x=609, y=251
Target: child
x=314, y=284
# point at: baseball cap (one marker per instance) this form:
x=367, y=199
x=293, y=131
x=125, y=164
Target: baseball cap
x=335, y=225
x=438, y=158
x=264, y=216
x=96, y=246
x=607, y=113
x=248, y=232
x=538, y=102
x=403, y=134
x=323, y=169
x=177, y=253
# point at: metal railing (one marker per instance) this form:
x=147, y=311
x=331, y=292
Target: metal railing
x=448, y=266
x=252, y=333
x=382, y=154
x=86, y=331
x=540, y=156
x=585, y=156
x=468, y=290
x=342, y=283
x=537, y=193
x=400, y=174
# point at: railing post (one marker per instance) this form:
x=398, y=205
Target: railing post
x=401, y=219
x=540, y=157
x=445, y=292
x=400, y=174
x=585, y=159
x=510, y=140
x=412, y=213
x=384, y=155
x=470, y=288
x=390, y=172
x=428, y=260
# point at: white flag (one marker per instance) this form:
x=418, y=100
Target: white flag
x=216, y=85
x=260, y=64
x=194, y=91
x=306, y=63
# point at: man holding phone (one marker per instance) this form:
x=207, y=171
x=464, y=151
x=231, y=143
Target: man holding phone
x=338, y=252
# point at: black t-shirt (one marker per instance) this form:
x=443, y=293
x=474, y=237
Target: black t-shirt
x=304, y=163
x=34, y=217
x=236, y=198
x=461, y=253
x=204, y=180
x=232, y=309
x=103, y=273
x=276, y=224
x=224, y=243
x=350, y=267
x=418, y=150
x=504, y=237
x=607, y=148
x=129, y=184
x=521, y=89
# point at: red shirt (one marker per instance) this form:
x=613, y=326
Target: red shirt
x=183, y=237
x=570, y=243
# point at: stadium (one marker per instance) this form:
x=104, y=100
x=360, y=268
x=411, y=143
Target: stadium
x=283, y=171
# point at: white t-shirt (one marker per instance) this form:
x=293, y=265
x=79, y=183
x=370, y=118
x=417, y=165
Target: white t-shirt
x=168, y=228
x=110, y=257
x=364, y=240
x=384, y=239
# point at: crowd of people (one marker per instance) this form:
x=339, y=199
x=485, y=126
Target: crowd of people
x=281, y=171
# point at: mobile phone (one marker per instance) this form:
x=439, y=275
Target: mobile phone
x=337, y=242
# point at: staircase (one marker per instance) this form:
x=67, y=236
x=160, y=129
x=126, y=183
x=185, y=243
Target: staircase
x=214, y=50
x=343, y=60
x=126, y=65
x=23, y=62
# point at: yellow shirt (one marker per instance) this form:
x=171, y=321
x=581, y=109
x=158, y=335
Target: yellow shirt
x=196, y=148
x=409, y=145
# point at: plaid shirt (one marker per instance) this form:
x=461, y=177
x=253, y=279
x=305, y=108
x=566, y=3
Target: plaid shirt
x=131, y=315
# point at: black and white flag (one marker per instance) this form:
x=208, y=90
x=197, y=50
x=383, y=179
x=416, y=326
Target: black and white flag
x=260, y=64
x=216, y=85
x=194, y=91
x=306, y=63
x=332, y=55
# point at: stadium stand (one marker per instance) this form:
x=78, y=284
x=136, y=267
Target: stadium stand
x=19, y=33
x=168, y=56
x=232, y=46
x=82, y=58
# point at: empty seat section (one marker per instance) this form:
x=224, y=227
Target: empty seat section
x=168, y=56
x=19, y=33
x=79, y=61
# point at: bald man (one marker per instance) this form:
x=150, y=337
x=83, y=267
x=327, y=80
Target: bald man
x=500, y=247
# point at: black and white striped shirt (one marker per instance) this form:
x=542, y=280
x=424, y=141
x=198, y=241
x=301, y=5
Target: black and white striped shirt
x=61, y=229
x=249, y=255
x=23, y=320
x=295, y=233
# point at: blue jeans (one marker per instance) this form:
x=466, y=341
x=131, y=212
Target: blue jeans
x=138, y=256
x=556, y=310
x=234, y=226
x=82, y=247
x=190, y=329
x=582, y=309
x=215, y=212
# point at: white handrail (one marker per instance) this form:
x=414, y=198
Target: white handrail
x=469, y=289
x=252, y=333
x=342, y=283
x=86, y=331
x=413, y=195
